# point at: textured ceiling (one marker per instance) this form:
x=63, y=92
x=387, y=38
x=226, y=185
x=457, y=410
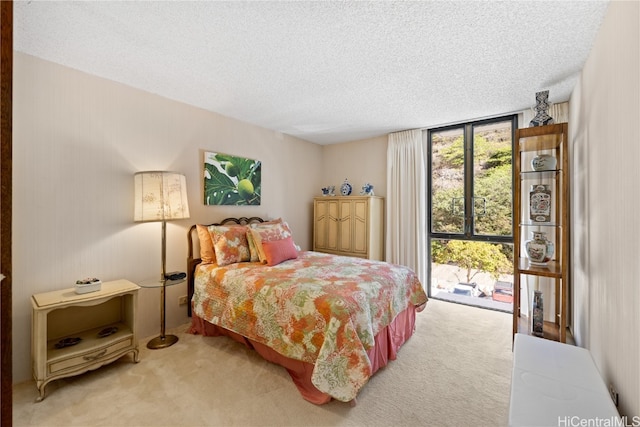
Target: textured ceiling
x=328, y=71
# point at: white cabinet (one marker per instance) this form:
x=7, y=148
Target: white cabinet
x=103, y=323
x=349, y=225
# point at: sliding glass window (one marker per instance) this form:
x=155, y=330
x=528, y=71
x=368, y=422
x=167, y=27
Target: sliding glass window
x=471, y=205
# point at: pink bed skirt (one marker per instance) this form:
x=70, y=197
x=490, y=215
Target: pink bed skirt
x=387, y=344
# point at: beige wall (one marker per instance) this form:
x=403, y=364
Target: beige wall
x=361, y=162
x=78, y=139
x=605, y=147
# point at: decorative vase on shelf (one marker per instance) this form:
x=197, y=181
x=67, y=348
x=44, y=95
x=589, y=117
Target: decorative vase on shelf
x=367, y=190
x=542, y=116
x=329, y=190
x=537, y=314
x=544, y=162
x=345, y=188
x=540, y=203
x=539, y=250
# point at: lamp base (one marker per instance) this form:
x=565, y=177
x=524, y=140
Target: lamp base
x=162, y=342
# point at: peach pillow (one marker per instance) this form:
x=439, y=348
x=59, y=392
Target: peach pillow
x=277, y=251
x=253, y=250
x=230, y=243
x=207, y=254
x=267, y=223
x=267, y=234
x=276, y=223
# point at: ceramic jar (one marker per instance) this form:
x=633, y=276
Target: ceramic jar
x=329, y=191
x=537, y=317
x=540, y=203
x=539, y=250
x=544, y=162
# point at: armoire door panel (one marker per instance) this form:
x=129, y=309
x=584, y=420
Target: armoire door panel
x=360, y=235
x=346, y=229
x=321, y=225
x=349, y=225
x=333, y=225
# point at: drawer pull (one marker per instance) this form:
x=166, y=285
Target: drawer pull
x=97, y=356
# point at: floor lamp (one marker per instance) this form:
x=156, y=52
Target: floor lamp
x=161, y=196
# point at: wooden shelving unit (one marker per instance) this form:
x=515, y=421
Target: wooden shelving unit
x=553, y=278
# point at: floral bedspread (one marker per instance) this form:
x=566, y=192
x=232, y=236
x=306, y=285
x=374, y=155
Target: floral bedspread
x=319, y=308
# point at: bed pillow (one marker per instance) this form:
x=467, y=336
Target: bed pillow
x=254, y=255
x=268, y=233
x=253, y=249
x=287, y=229
x=207, y=254
x=277, y=251
x=264, y=224
x=270, y=224
x=277, y=224
x=230, y=243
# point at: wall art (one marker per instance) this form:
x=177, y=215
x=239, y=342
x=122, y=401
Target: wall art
x=231, y=180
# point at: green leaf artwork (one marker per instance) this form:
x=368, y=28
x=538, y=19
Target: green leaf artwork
x=231, y=180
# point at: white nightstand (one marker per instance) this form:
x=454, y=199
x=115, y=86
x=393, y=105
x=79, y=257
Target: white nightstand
x=65, y=315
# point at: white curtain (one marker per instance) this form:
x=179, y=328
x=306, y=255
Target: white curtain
x=406, y=202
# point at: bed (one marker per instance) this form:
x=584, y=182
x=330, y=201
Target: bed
x=331, y=321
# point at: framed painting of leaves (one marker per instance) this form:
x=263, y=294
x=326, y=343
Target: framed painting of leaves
x=231, y=180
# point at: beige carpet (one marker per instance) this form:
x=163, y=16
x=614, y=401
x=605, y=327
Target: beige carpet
x=455, y=371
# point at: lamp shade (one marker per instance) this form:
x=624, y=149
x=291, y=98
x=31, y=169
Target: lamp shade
x=160, y=196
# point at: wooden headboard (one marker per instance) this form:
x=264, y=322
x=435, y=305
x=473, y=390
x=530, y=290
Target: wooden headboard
x=193, y=261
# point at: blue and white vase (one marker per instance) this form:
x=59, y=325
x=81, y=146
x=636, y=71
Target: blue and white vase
x=367, y=190
x=329, y=191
